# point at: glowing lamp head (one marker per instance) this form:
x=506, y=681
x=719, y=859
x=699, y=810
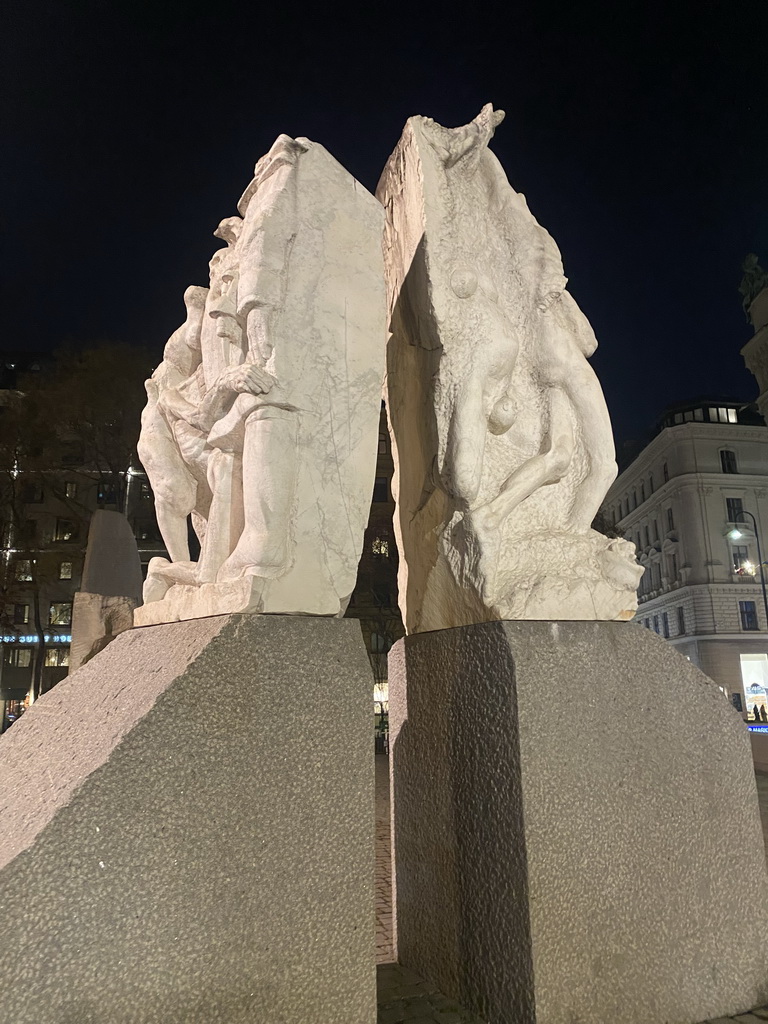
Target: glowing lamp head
x=735, y=534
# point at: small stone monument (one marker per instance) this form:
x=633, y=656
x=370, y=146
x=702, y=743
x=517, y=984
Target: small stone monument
x=564, y=840
x=110, y=588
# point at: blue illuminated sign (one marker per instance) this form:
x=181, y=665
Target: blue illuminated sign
x=758, y=728
x=32, y=638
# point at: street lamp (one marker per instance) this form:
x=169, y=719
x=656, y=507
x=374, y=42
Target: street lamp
x=736, y=534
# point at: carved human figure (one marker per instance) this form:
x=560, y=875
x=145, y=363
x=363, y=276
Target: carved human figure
x=246, y=432
x=520, y=424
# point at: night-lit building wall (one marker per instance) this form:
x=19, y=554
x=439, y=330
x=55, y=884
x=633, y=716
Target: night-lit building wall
x=678, y=501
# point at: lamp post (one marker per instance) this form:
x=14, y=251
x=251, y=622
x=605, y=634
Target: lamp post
x=736, y=534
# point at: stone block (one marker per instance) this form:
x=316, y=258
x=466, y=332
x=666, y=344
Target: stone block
x=565, y=838
x=188, y=831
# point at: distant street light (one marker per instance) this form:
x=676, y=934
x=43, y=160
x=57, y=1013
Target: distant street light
x=736, y=534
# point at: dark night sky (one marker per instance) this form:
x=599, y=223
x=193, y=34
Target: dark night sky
x=637, y=130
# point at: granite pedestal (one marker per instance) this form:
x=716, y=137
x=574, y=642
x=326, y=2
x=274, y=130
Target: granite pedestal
x=576, y=829
x=187, y=831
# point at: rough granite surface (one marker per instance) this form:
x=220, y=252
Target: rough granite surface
x=188, y=831
x=580, y=831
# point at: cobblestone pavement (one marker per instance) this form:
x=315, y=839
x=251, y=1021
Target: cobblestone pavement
x=406, y=998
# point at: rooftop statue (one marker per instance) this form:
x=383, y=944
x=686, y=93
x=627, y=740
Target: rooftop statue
x=261, y=421
x=755, y=279
x=501, y=436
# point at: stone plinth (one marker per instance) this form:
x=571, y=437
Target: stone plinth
x=188, y=831
x=569, y=844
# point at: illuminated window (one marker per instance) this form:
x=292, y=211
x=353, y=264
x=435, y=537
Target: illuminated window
x=61, y=613
x=56, y=656
x=23, y=570
x=728, y=461
x=20, y=614
x=65, y=530
x=65, y=571
x=18, y=657
x=380, y=546
x=748, y=614
x=741, y=562
x=70, y=489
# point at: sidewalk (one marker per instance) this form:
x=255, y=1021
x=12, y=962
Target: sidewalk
x=406, y=998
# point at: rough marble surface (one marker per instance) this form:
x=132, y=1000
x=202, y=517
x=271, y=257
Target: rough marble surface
x=262, y=421
x=188, y=831
x=501, y=437
x=581, y=832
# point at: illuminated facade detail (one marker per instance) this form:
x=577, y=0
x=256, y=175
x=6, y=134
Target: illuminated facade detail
x=705, y=466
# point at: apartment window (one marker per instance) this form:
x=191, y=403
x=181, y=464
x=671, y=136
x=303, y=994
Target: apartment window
x=642, y=493
x=65, y=571
x=748, y=613
x=647, y=536
x=665, y=625
x=655, y=529
x=106, y=493
x=621, y=510
x=728, y=461
x=23, y=570
x=146, y=492
x=65, y=530
x=57, y=657
x=20, y=614
x=61, y=613
x=380, y=489
x=670, y=519
x=740, y=557
x=634, y=499
x=665, y=472
x=650, y=483
x=734, y=507
x=672, y=566
x=638, y=542
x=655, y=623
x=70, y=489
x=32, y=493
x=656, y=577
x=382, y=443
x=680, y=620
x=379, y=644
x=380, y=546
x=647, y=623
x=18, y=657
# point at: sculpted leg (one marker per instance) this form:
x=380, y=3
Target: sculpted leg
x=269, y=486
x=547, y=468
x=463, y=465
x=225, y=519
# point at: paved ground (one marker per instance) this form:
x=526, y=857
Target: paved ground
x=406, y=998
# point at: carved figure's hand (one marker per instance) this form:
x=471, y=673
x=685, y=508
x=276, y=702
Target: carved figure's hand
x=246, y=378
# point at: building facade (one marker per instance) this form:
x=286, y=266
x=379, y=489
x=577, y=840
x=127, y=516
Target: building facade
x=685, y=501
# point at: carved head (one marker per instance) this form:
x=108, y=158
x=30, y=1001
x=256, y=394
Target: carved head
x=229, y=229
x=285, y=150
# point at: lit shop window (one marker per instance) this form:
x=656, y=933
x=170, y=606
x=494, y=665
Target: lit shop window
x=56, y=657
x=61, y=613
x=23, y=570
x=18, y=657
x=65, y=530
x=380, y=546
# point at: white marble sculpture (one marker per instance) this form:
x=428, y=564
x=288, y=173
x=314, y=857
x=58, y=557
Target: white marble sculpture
x=261, y=422
x=501, y=437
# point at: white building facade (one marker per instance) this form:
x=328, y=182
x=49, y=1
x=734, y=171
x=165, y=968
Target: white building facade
x=681, y=502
